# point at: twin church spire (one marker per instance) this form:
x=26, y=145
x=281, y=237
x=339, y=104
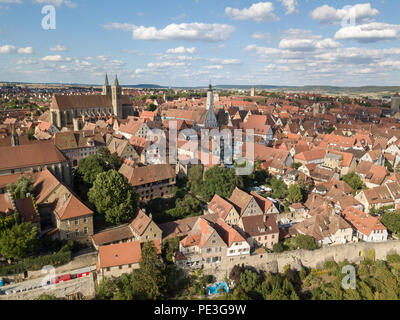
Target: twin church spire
x=107, y=90
x=115, y=92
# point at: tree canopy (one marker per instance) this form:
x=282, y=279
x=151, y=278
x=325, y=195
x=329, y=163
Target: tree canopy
x=19, y=241
x=279, y=188
x=113, y=196
x=90, y=167
x=220, y=181
x=294, y=194
x=21, y=188
x=353, y=180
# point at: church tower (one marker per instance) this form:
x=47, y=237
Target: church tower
x=211, y=119
x=106, y=87
x=117, y=98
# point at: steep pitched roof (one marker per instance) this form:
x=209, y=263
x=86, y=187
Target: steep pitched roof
x=148, y=174
x=362, y=221
x=30, y=155
x=220, y=206
x=240, y=199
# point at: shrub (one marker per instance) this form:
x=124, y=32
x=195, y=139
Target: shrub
x=393, y=258
x=36, y=263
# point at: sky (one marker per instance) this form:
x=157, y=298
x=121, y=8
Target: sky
x=193, y=42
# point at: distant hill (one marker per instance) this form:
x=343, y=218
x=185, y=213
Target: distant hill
x=374, y=90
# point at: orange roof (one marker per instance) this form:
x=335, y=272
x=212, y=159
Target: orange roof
x=311, y=155
x=362, y=221
x=122, y=254
x=228, y=234
x=264, y=204
x=220, y=206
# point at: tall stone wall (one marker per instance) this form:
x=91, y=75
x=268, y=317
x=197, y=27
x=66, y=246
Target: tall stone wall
x=86, y=286
x=274, y=262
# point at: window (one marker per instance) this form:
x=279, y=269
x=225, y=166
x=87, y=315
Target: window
x=68, y=235
x=208, y=250
x=86, y=230
x=68, y=224
x=85, y=220
x=108, y=269
x=120, y=267
x=77, y=233
x=76, y=221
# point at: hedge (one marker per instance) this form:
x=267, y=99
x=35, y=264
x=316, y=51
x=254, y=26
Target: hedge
x=37, y=263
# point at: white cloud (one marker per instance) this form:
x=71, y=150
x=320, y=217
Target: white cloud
x=27, y=50
x=226, y=61
x=261, y=36
x=361, y=11
x=290, y=5
x=182, y=50
x=7, y=49
x=305, y=40
x=120, y=26
x=262, y=51
x=214, y=67
x=56, y=3
x=262, y=11
x=26, y=62
x=370, y=32
x=185, y=32
x=56, y=58
x=165, y=64
x=10, y=1
x=59, y=48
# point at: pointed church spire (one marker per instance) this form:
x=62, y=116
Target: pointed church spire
x=106, y=81
x=116, y=83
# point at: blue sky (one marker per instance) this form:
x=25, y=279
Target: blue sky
x=190, y=42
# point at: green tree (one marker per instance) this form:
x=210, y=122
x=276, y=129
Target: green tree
x=296, y=165
x=294, y=194
x=302, y=241
x=113, y=196
x=221, y=181
x=278, y=247
x=151, y=107
x=111, y=160
x=20, y=189
x=149, y=281
x=19, y=241
x=279, y=188
x=389, y=166
x=106, y=289
x=195, y=178
x=90, y=167
x=353, y=180
x=391, y=220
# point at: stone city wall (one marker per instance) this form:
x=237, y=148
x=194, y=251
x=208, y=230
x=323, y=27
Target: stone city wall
x=276, y=262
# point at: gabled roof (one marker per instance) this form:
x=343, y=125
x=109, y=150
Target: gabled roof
x=240, y=199
x=264, y=203
x=362, y=221
x=220, y=206
x=67, y=206
x=122, y=254
x=30, y=155
x=149, y=174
